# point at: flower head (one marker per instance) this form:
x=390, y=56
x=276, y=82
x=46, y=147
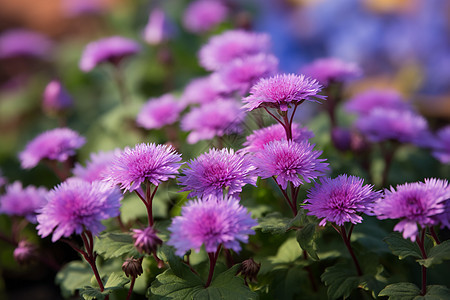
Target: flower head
x=289, y=162
x=414, y=203
x=204, y=15
x=259, y=138
x=145, y=162
x=132, y=267
x=20, y=42
x=200, y=90
x=365, y=102
x=211, y=221
x=216, y=170
x=224, y=48
x=158, y=112
x=24, y=202
x=158, y=28
x=213, y=119
x=340, y=200
x=111, y=49
x=56, y=144
x=282, y=90
x=77, y=205
x=146, y=241
x=56, y=98
x=97, y=166
x=441, y=147
x=326, y=70
x=24, y=252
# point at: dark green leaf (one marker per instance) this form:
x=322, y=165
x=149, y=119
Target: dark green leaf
x=274, y=223
x=116, y=281
x=73, y=276
x=400, y=291
x=340, y=280
x=115, y=244
x=437, y=254
x=288, y=252
x=90, y=293
x=306, y=240
x=436, y=292
x=402, y=247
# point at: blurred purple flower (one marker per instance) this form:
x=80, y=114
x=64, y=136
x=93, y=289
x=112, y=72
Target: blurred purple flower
x=259, y=138
x=25, y=252
x=340, y=200
x=200, y=90
x=73, y=8
x=213, y=119
x=56, y=98
x=365, y=102
x=215, y=171
x=56, y=144
x=288, y=161
x=282, y=90
x=97, y=167
x=203, y=15
x=24, y=202
x=145, y=162
x=111, y=49
x=158, y=28
x=77, y=205
x=146, y=240
x=414, y=203
x=211, y=221
x=331, y=69
x=21, y=42
x=222, y=49
x=441, y=146
x=158, y=112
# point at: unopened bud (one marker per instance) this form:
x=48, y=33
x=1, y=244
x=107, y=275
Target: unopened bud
x=56, y=98
x=249, y=269
x=132, y=267
x=24, y=252
x=146, y=241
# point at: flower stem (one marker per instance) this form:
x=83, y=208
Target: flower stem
x=212, y=263
x=291, y=205
x=91, y=256
x=119, y=79
x=421, y=243
x=434, y=235
x=149, y=195
x=346, y=239
x=130, y=290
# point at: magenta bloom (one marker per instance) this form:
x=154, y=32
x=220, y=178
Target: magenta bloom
x=365, y=102
x=146, y=241
x=259, y=138
x=204, y=15
x=213, y=119
x=216, y=170
x=24, y=202
x=211, y=221
x=73, y=8
x=441, y=147
x=200, y=90
x=20, y=42
x=97, y=167
x=340, y=200
x=56, y=98
x=56, y=144
x=158, y=112
x=327, y=70
x=414, y=203
x=158, y=28
x=111, y=49
x=77, y=205
x=242, y=73
x=289, y=161
x=144, y=163
x=224, y=48
x=281, y=91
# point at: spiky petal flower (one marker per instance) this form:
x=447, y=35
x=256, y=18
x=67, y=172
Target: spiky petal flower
x=24, y=202
x=111, y=49
x=340, y=200
x=146, y=240
x=56, y=144
x=224, y=48
x=216, y=170
x=158, y=112
x=441, y=147
x=259, y=138
x=289, y=161
x=329, y=69
x=417, y=203
x=281, y=91
x=365, y=102
x=77, y=205
x=145, y=162
x=97, y=166
x=211, y=221
x=212, y=119
x=204, y=15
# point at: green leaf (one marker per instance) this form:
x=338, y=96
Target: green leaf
x=306, y=240
x=402, y=247
x=400, y=291
x=437, y=254
x=340, y=280
x=274, y=223
x=288, y=252
x=436, y=292
x=115, y=244
x=73, y=276
x=115, y=281
x=90, y=293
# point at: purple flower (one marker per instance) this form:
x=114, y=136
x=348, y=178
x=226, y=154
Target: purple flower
x=158, y=28
x=158, y=112
x=414, y=203
x=242, y=73
x=212, y=119
x=211, y=221
x=365, y=102
x=289, y=161
x=327, y=70
x=281, y=91
x=144, y=163
x=216, y=170
x=24, y=202
x=73, y=8
x=111, y=49
x=200, y=90
x=77, y=205
x=340, y=200
x=222, y=49
x=146, y=241
x=97, y=167
x=204, y=15
x=56, y=98
x=20, y=42
x=441, y=147
x=56, y=144
x=25, y=252
x=259, y=138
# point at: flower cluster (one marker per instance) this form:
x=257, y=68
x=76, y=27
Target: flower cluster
x=203, y=15
x=327, y=70
x=158, y=112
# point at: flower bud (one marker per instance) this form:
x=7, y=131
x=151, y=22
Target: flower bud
x=132, y=267
x=56, y=98
x=24, y=252
x=249, y=269
x=146, y=241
